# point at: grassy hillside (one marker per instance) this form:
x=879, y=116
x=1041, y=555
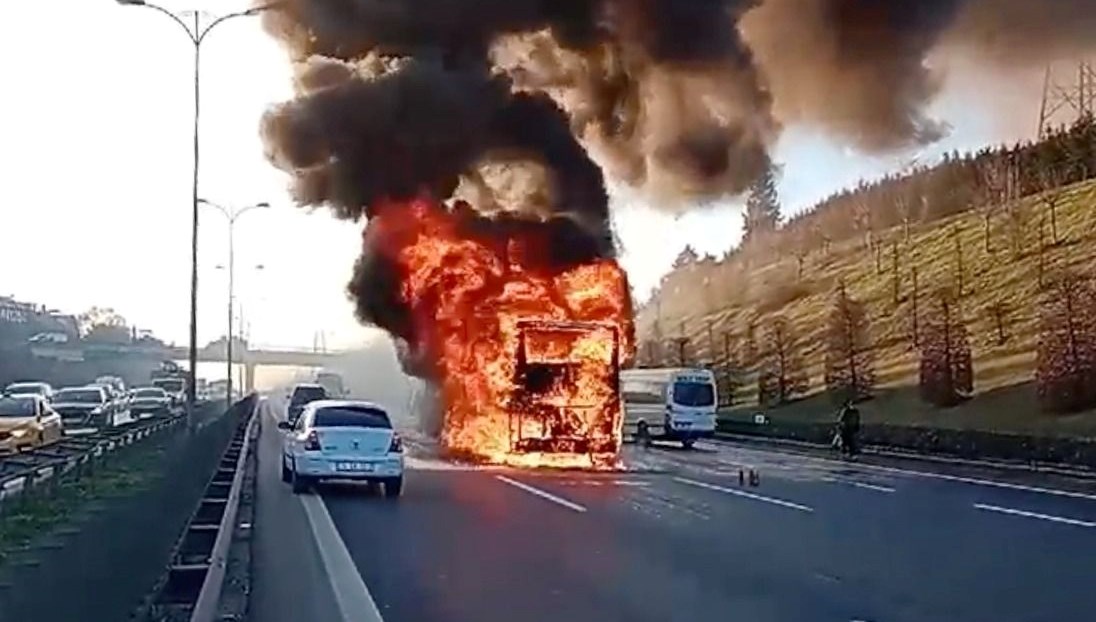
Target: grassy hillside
x=712, y=303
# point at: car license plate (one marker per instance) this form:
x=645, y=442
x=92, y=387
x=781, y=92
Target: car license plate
x=684, y=424
x=359, y=467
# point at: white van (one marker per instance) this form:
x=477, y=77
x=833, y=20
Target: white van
x=676, y=404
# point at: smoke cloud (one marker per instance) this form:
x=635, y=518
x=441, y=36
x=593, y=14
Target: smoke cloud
x=510, y=102
x=682, y=99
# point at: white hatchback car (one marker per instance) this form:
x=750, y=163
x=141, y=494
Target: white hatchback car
x=342, y=439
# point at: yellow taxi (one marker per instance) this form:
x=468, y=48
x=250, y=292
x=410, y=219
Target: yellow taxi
x=26, y=422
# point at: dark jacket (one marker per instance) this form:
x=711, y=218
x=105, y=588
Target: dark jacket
x=849, y=419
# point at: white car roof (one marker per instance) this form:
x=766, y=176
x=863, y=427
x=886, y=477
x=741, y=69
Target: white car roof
x=24, y=396
x=346, y=403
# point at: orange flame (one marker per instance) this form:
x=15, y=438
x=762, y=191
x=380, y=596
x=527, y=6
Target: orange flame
x=527, y=355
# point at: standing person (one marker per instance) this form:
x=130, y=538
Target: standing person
x=848, y=426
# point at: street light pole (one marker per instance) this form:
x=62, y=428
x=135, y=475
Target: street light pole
x=232, y=216
x=196, y=35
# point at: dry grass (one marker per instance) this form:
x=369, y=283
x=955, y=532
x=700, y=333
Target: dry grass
x=762, y=287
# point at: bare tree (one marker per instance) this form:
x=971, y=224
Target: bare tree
x=1065, y=372
x=998, y=313
x=749, y=347
x=947, y=373
x=1051, y=184
x=1042, y=250
x=995, y=176
x=782, y=376
x=681, y=350
x=1018, y=223
x=865, y=223
x=914, y=294
x=896, y=278
x=959, y=269
x=905, y=207
x=729, y=378
x=850, y=364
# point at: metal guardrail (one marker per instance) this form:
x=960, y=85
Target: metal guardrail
x=23, y=471
x=195, y=577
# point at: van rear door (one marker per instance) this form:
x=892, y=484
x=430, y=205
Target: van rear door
x=692, y=403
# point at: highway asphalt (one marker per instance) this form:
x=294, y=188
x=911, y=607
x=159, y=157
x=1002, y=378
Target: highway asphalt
x=677, y=537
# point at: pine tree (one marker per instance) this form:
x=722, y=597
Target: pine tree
x=762, y=205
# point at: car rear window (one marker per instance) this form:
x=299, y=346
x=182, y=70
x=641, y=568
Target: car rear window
x=79, y=396
x=304, y=395
x=348, y=417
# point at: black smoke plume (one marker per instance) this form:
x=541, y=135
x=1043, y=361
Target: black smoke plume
x=681, y=98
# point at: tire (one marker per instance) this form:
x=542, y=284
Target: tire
x=393, y=487
x=688, y=443
x=287, y=475
x=643, y=434
x=301, y=483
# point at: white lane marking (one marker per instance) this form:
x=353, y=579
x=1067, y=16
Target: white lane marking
x=541, y=493
x=353, y=597
x=747, y=495
x=1025, y=514
x=864, y=485
x=874, y=487
x=941, y=476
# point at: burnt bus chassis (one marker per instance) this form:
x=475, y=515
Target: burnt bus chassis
x=559, y=434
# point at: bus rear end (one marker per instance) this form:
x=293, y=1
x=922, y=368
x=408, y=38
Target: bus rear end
x=565, y=398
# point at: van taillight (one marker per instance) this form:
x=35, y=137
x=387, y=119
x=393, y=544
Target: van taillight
x=397, y=444
x=312, y=443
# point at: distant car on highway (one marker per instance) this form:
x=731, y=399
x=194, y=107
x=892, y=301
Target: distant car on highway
x=26, y=422
x=30, y=388
x=146, y=402
x=83, y=407
x=342, y=439
x=174, y=387
x=332, y=383
x=114, y=384
x=302, y=395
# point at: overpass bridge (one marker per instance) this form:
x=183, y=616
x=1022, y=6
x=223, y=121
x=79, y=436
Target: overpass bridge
x=250, y=358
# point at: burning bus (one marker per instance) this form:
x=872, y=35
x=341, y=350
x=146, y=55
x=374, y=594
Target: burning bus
x=565, y=398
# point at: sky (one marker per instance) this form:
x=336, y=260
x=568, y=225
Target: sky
x=96, y=153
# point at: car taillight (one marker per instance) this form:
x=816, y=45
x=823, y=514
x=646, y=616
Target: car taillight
x=312, y=443
x=397, y=444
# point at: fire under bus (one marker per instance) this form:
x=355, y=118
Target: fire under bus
x=565, y=397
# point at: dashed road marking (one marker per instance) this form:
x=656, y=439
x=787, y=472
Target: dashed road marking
x=874, y=487
x=541, y=493
x=1047, y=517
x=744, y=494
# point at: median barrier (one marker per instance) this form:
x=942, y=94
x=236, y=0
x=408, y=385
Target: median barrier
x=110, y=552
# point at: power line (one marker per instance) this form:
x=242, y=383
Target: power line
x=1068, y=96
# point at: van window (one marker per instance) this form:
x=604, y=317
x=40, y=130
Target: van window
x=694, y=394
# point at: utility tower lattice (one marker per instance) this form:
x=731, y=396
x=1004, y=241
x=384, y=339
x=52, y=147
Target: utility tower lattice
x=319, y=342
x=1074, y=95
